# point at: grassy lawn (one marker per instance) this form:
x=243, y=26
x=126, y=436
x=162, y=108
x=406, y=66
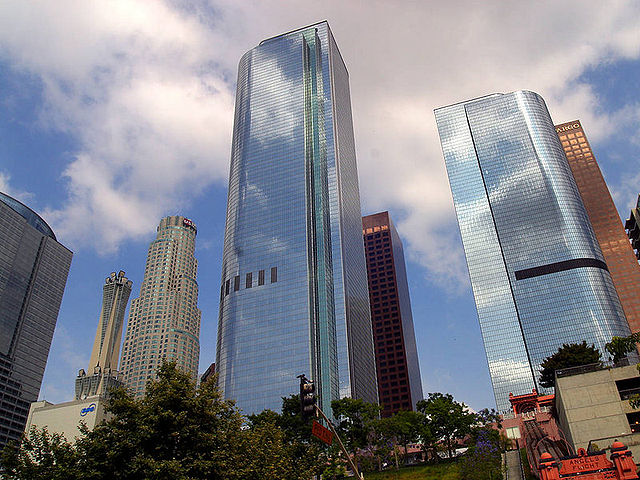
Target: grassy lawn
x=444, y=471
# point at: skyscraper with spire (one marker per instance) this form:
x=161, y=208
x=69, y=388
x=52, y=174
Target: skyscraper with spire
x=103, y=365
x=164, y=321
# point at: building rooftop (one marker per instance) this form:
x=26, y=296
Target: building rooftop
x=29, y=215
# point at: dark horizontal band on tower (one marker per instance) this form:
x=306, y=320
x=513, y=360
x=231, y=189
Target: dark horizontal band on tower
x=560, y=267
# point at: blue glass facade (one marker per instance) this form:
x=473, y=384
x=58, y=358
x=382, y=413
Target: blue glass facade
x=537, y=272
x=294, y=296
x=33, y=274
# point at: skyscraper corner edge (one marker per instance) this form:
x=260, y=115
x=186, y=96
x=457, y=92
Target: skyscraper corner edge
x=295, y=30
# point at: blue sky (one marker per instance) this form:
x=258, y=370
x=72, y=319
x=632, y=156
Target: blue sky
x=113, y=114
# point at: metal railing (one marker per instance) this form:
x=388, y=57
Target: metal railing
x=592, y=367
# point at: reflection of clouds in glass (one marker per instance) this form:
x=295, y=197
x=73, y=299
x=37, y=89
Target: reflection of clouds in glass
x=510, y=371
x=258, y=194
x=518, y=207
x=274, y=120
x=277, y=245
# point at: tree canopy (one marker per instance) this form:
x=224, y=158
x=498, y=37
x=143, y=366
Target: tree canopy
x=620, y=347
x=568, y=355
x=175, y=432
x=179, y=431
x=446, y=418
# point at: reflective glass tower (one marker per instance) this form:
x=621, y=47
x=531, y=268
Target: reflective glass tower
x=538, y=275
x=164, y=321
x=33, y=274
x=294, y=297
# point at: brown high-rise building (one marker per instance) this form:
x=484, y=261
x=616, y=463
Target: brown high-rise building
x=605, y=219
x=399, y=383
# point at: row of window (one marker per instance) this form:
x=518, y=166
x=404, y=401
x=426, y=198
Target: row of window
x=227, y=286
x=375, y=229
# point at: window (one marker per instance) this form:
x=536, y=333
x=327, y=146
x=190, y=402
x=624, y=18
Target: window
x=236, y=283
x=226, y=287
x=274, y=274
x=628, y=387
x=634, y=421
x=261, y=277
x=249, y=281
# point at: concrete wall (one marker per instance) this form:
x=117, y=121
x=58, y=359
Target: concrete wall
x=65, y=417
x=589, y=408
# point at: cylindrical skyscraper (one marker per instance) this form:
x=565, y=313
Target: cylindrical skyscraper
x=538, y=275
x=164, y=321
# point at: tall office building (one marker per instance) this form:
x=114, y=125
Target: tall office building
x=164, y=321
x=632, y=225
x=103, y=365
x=537, y=272
x=92, y=387
x=605, y=220
x=294, y=297
x=33, y=274
x=399, y=383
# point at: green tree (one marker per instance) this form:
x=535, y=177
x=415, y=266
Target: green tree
x=568, y=355
x=178, y=432
x=446, y=418
x=402, y=428
x=306, y=456
x=620, y=347
x=272, y=457
x=356, y=424
x=174, y=432
x=483, y=460
x=41, y=456
x=356, y=419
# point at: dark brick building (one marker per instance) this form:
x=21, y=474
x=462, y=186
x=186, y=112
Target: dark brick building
x=399, y=383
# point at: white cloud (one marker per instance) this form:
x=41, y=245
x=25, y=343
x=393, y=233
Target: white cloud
x=139, y=85
x=625, y=193
x=147, y=90
x=6, y=188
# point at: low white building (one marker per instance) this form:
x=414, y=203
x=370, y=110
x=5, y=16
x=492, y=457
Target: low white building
x=65, y=418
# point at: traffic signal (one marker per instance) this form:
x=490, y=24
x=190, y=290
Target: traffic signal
x=307, y=397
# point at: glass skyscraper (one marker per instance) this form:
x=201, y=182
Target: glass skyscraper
x=164, y=321
x=538, y=275
x=294, y=297
x=33, y=274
